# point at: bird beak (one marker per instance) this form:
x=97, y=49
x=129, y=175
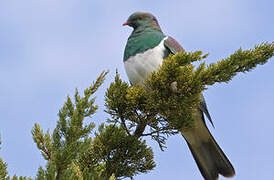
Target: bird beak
x=125, y=23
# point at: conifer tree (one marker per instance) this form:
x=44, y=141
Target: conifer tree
x=117, y=150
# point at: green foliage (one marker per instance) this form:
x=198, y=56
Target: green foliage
x=160, y=108
x=132, y=108
x=3, y=170
x=113, y=151
x=72, y=154
x=123, y=155
x=171, y=95
x=43, y=141
x=240, y=61
x=70, y=139
x=20, y=178
x=190, y=82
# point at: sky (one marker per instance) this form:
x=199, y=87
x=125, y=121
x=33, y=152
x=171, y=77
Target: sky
x=48, y=48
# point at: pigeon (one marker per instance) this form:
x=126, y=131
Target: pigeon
x=146, y=48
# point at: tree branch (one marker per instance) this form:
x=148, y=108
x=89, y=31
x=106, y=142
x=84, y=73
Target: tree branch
x=125, y=126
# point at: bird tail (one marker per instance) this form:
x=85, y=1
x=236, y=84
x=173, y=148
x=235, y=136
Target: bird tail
x=209, y=157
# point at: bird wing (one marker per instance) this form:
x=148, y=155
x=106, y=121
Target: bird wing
x=203, y=108
x=173, y=47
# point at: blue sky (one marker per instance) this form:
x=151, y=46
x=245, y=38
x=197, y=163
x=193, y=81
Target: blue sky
x=48, y=48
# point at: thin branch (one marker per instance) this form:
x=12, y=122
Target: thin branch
x=58, y=174
x=141, y=125
x=123, y=122
x=44, y=149
x=151, y=133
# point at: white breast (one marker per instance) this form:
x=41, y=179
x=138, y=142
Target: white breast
x=138, y=67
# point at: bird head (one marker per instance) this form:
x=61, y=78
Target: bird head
x=138, y=19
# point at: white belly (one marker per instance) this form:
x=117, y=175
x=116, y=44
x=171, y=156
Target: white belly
x=138, y=67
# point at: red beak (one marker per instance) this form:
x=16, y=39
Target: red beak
x=125, y=23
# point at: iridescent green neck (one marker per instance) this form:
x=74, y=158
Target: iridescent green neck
x=142, y=39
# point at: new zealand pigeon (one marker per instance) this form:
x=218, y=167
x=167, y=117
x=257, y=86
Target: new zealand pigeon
x=145, y=50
